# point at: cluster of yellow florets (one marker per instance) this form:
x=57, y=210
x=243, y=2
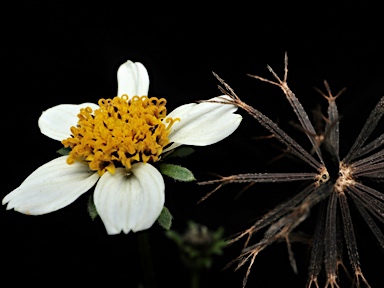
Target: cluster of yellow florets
x=122, y=131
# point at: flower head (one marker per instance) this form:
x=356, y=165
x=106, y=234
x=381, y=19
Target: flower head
x=116, y=145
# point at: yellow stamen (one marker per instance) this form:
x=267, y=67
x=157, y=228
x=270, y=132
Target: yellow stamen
x=121, y=132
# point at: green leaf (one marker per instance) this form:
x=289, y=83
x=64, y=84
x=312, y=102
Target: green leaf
x=165, y=219
x=176, y=237
x=92, y=208
x=176, y=172
x=64, y=151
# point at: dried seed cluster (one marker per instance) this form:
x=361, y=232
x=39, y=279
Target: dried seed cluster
x=335, y=183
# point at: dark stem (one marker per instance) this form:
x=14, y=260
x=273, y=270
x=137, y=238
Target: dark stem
x=195, y=278
x=146, y=259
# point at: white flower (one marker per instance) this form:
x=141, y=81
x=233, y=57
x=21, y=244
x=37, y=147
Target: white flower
x=129, y=196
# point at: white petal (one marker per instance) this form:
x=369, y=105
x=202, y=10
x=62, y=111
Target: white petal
x=130, y=202
x=57, y=121
x=132, y=79
x=204, y=123
x=50, y=187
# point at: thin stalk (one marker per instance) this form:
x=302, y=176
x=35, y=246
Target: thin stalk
x=146, y=259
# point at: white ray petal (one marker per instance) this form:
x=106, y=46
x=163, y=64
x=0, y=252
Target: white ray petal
x=50, y=187
x=130, y=201
x=57, y=121
x=204, y=123
x=132, y=79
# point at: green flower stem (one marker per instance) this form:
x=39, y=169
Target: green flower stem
x=146, y=259
x=195, y=278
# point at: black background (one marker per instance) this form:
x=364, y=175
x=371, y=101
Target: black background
x=62, y=53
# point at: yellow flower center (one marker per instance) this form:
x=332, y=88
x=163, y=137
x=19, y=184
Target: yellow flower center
x=120, y=132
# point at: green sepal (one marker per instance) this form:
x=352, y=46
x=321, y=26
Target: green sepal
x=182, y=151
x=64, y=151
x=91, y=208
x=176, y=172
x=165, y=218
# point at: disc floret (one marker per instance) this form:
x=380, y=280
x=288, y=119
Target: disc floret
x=121, y=132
